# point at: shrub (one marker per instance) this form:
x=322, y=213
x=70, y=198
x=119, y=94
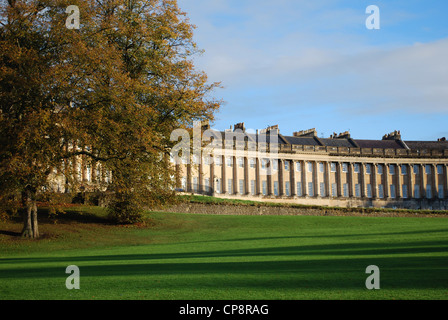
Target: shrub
x=124, y=209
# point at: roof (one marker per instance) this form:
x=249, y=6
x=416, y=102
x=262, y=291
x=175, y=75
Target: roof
x=379, y=144
x=337, y=142
x=427, y=145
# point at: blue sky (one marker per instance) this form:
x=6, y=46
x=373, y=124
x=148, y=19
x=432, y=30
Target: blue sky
x=314, y=64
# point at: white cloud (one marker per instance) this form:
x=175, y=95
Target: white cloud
x=311, y=57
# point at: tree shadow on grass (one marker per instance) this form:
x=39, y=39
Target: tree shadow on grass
x=330, y=273
x=68, y=216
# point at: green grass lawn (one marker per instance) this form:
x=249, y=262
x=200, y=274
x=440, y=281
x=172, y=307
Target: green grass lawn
x=195, y=257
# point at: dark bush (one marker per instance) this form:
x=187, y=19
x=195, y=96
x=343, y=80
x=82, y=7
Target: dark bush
x=125, y=210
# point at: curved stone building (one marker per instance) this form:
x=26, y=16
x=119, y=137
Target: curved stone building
x=306, y=169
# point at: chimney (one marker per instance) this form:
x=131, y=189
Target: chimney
x=305, y=133
x=240, y=126
x=343, y=135
x=396, y=135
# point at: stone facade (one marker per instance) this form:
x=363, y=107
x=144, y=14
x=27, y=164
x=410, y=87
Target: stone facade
x=305, y=169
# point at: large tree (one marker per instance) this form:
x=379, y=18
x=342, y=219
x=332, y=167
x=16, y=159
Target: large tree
x=111, y=91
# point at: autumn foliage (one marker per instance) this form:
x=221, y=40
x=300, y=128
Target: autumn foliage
x=111, y=91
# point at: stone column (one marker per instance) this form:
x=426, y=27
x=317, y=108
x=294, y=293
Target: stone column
x=374, y=181
x=270, y=177
x=424, y=177
x=445, y=180
x=351, y=180
x=411, y=179
x=316, y=182
x=363, y=180
x=304, y=183
x=257, y=177
x=212, y=174
x=399, y=181
x=339, y=179
x=281, y=188
x=386, y=180
x=435, y=180
x=246, y=176
x=223, y=175
x=327, y=179
x=235, y=176
x=200, y=175
x=189, y=189
x=292, y=178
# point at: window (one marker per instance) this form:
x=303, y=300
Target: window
x=88, y=173
x=345, y=189
x=357, y=190
x=229, y=161
x=264, y=163
x=392, y=169
x=334, y=190
x=369, y=191
x=322, y=189
x=195, y=184
x=356, y=167
x=428, y=191
x=404, y=190
x=440, y=191
x=416, y=191
x=416, y=168
x=368, y=168
x=206, y=160
x=184, y=183
x=241, y=182
x=218, y=185
x=439, y=169
x=380, y=169
x=344, y=167
x=321, y=167
x=274, y=164
x=195, y=159
x=404, y=169
x=276, y=188
x=241, y=162
x=286, y=165
x=310, y=189
x=252, y=187
x=218, y=161
x=428, y=169
x=207, y=184
x=265, y=187
x=380, y=191
x=392, y=191
x=299, y=189
x=310, y=166
x=333, y=167
x=253, y=162
x=298, y=166
x=287, y=191
x=230, y=186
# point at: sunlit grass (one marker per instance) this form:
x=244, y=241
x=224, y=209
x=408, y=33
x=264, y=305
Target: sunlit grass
x=190, y=256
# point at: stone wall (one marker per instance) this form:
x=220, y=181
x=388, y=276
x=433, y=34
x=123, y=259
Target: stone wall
x=229, y=209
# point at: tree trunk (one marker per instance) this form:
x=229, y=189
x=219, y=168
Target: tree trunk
x=30, y=227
